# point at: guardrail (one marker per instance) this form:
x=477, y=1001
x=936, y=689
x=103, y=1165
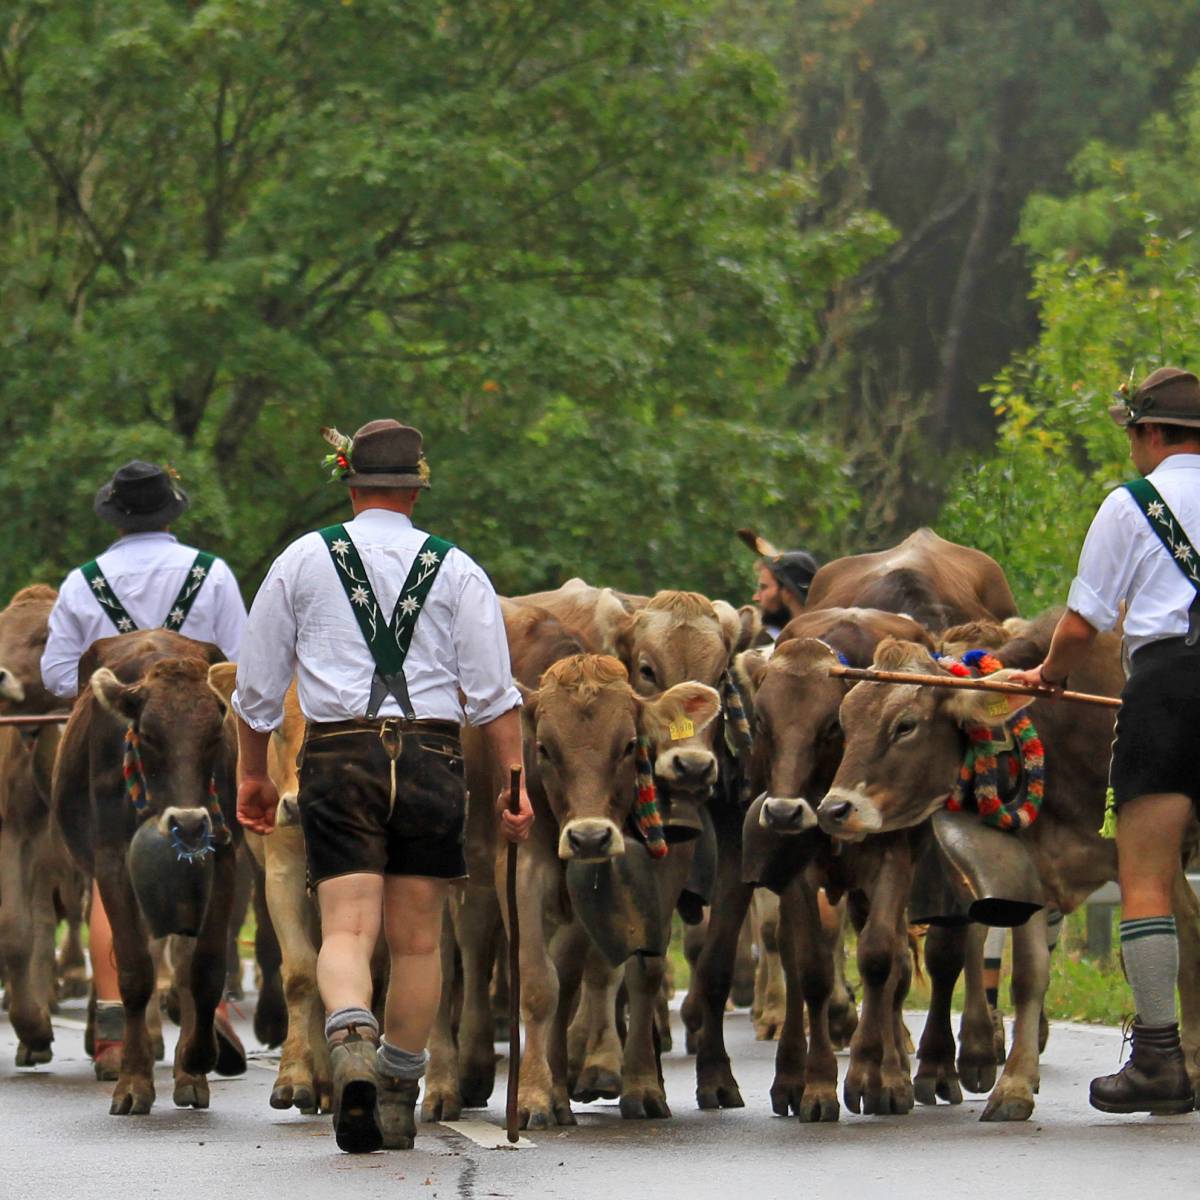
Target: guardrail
x=1099, y=910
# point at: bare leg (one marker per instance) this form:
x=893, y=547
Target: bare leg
x=413, y=925
x=351, y=915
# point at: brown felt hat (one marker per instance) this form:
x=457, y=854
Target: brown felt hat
x=386, y=454
x=1168, y=396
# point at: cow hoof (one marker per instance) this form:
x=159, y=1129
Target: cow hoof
x=721, y=1096
x=976, y=1075
x=476, y=1083
x=767, y=1030
x=785, y=1097
x=932, y=1087
x=879, y=1100
x=107, y=1063
x=294, y=1095
x=842, y=1024
x=231, y=1054
x=538, y=1118
x=132, y=1097
x=818, y=1106
x=191, y=1092
x=440, y=1105
x=596, y=1083
x=29, y=1056
x=1011, y=1107
x=73, y=985
x=644, y=1104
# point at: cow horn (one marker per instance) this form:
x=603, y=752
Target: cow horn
x=757, y=543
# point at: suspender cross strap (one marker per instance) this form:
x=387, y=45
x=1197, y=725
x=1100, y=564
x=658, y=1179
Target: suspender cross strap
x=389, y=640
x=1170, y=532
x=107, y=599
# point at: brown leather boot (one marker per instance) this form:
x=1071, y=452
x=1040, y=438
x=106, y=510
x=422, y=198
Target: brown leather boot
x=1154, y=1080
x=397, y=1102
x=355, y=1090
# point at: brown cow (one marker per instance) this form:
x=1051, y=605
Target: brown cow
x=904, y=746
x=156, y=683
x=36, y=872
x=583, y=724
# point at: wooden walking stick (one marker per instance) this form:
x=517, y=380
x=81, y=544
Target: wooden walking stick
x=511, y=1116
x=40, y=719
x=975, y=685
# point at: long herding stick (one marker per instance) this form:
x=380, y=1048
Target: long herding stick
x=976, y=685
x=40, y=719
x=511, y=1118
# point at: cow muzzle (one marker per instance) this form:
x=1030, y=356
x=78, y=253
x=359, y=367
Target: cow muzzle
x=687, y=768
x=11, y=687
x=849, y=813
x=189, y=829
x=787, y=815
x=590, y=839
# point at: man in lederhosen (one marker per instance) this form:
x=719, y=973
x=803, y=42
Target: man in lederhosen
x=382, y=625
x=1140, y=551
x=144, y=580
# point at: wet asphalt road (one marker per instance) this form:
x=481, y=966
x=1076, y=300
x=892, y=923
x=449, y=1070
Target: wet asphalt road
x=57, y=1140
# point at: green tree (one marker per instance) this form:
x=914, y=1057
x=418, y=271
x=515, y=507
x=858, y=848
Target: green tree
x=534, y=229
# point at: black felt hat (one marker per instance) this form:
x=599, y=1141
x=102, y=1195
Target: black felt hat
x=139, y=497
x=793, y=569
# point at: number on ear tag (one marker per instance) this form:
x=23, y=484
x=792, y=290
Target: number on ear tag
x=997, y=707
x=682, y=728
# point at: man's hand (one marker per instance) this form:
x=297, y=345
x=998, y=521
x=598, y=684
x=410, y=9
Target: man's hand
x=1036, y=678
x=514, y=827
x=257, y=800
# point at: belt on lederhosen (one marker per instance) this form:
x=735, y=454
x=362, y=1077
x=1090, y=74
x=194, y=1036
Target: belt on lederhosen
x=1163, y=650
x=433, y=735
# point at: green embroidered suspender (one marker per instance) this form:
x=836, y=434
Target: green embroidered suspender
x=387, y=641
x=1170, y=532
x=178, y=613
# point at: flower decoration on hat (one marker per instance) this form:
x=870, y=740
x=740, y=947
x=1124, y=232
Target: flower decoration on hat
x=337, y=463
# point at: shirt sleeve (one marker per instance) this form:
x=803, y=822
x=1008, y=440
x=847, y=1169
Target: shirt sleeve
x=481, y=645
x=267, y=659
x=65, y=644
x=1107, y=563
x=230, y=615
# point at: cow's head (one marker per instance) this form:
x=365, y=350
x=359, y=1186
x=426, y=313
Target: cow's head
x=680, y=637
x=284, y=747
x=584, y=721
x=798, y=737
x=904, y=746
x=180, y=725
x=23, y=627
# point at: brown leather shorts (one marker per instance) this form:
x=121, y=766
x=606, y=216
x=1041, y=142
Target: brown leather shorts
x=384, y=797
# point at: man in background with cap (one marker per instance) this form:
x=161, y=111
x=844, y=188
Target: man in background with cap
x=146, y=579
x=383, y=626
x=1141, y=552
x=783, y=582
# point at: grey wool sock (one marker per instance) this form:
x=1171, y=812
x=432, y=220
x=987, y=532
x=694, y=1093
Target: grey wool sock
x=1151, y=953
x=343, y=1018
x=400, y=1064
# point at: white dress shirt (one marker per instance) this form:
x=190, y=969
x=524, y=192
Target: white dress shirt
x=1123, y=559
x=301, y=624
x=146, y=572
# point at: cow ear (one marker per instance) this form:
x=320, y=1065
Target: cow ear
x=529, y=703
x=124, y=700
x=969, y=707
x=693, y=702
x=222, y=678
x=731, y=624
x=611, y=618
x=623, y=641
x=750, y=667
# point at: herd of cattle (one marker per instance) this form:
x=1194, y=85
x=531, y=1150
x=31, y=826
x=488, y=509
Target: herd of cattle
x=784, y=790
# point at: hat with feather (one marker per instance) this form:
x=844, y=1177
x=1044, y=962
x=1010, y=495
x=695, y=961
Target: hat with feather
x=382, y=454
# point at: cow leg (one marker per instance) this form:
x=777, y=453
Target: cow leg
x=197, y=1051
x=270, y=1011
x=1012, y=1097
x=771, y=1000
x=72, y=962
x=704, y=1008
x=243, y=890
x=441, y=1100
x=976, y=1033
x=877, y=1081
x=191, y=1090
x=1187, y=925
x=569, y=951
x=133, y=1094
x=163, y=985
x=477, y=926
x=843, y=1016
x=26, y=939
x=642, y=1092
x=537, y=882
x=741, y=988
x=694, y=937
x=305, y=1078
x=936, y=1076
x=593, y=1032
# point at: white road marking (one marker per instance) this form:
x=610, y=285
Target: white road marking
x=487, y=1135
x=68, y=1023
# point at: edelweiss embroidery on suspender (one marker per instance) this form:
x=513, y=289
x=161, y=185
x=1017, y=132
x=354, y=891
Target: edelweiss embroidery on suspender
x=1164, y=523
x=178, y=613
x=388, y=641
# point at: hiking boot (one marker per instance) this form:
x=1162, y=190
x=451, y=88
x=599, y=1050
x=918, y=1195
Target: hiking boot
x=397, y=1102
x=108, y=1040
x=1154, y=1080
x=355, y=1090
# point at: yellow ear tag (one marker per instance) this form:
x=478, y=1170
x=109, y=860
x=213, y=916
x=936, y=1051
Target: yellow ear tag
x=683, y=728
x=997, y=707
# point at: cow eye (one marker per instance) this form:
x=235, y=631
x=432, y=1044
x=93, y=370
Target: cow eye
x=903, y=728
x=630, y=747
x=646, y=671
